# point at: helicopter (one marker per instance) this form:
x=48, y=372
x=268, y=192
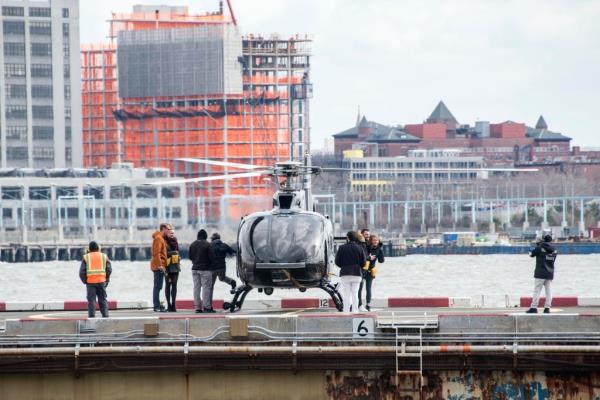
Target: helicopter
x=290, y=246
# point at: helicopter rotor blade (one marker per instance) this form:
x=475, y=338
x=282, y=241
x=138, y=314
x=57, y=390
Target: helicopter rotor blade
x=219, y=163
x=209, y=178
x=430, y=170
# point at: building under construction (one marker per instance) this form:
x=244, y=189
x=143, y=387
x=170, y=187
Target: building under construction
x=170, y=85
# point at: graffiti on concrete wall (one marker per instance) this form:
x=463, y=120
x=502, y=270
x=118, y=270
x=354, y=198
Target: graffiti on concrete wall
x=464, y=385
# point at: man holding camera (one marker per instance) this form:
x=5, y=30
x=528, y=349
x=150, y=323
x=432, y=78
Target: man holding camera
x=545, y=256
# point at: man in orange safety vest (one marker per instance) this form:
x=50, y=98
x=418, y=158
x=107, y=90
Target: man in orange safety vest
x=95, y=273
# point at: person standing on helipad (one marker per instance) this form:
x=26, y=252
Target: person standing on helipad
x=158, y=264
x=351, y=258
x=203, y=266
x=545, y=256
x=95, y=272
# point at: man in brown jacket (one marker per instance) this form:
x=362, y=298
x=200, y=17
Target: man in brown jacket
x=158, y=264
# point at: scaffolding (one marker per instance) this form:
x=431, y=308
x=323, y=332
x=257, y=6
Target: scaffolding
x=99, y=100
x=241, y=99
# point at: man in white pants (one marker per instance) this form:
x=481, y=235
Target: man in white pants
x=350, y=258
x=545, y=256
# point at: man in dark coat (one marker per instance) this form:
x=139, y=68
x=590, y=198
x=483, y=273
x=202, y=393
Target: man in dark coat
x=202, y=258
x=221, y=251
x=545, y=256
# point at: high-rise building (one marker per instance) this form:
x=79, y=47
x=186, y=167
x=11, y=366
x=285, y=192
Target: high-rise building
x=40, y=85
x=171, y=85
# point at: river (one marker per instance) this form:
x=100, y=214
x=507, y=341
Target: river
x=416, y=275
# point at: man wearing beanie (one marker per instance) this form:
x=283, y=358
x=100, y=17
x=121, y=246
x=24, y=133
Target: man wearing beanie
x=95, y=272
x=201, y=255
x=221, y=251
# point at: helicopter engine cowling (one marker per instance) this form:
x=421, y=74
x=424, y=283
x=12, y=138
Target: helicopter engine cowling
x=285, y=249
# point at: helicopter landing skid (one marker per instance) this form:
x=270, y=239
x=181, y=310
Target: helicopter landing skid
x=239, y=295
x=335, y=295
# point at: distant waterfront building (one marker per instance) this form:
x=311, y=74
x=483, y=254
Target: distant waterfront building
x=40, y=87
x=419, y=166
x=499, y=144
x=85, y=199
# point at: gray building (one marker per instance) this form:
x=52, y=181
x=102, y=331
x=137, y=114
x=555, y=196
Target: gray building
x=433, y=165
x=40, y=85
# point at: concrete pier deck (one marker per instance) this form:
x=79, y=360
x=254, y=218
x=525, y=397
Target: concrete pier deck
x=304, y=353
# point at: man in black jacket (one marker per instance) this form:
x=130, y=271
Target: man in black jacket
x=202, y=258
x=221, y=251
x=545, y=256
x=350, y=258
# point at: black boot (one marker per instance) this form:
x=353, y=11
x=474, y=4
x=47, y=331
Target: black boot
x=532, y=311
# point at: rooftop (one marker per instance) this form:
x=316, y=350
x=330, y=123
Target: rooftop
x=379, y=133
x=442, y=114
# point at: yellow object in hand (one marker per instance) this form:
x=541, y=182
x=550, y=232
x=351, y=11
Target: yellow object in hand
x=366, y=266
x=374, y=272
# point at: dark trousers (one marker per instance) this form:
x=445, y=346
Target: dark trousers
x=97, y=290
x=220, y=273
x=368, y=283
x=158, y=284
x=171, y=289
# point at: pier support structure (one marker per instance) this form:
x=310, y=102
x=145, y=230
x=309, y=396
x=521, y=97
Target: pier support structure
x=492, y=223
x=473, y=216
x=508, y=212
x=423, y=224
x=582, y=230
x=405, y=225
x=545, y=224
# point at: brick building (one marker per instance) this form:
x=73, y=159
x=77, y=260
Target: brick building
x=500, y=144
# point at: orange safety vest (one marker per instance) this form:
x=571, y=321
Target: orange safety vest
x=95, y=267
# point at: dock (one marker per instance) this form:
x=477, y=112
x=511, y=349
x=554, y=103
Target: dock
x=392, y=353
x=123, y=251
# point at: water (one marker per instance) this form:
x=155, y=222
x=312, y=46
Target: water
x=417, y=275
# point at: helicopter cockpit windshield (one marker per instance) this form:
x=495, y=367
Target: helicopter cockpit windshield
x=281, y=238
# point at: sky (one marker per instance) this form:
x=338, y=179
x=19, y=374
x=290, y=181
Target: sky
x=490, y=60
